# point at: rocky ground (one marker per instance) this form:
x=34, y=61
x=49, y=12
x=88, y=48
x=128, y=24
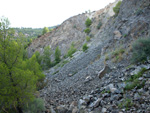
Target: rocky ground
x=100, y=80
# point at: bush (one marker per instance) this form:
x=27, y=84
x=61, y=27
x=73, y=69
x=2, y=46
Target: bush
x=71, y=51
x=134, y=81
x=117, y=8
x=127, y=103
x=38, y=57
x=87, y=30
x=117, y=54
x=46, y=58
x=88, y=38
x=141, y=50
x=57, y=55
x=37, y=106
x=99, y=25
x=88, y=22
x=85, y=47
x=45, y=30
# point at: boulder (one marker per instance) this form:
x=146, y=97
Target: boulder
x=72, y=105
x=117, y=34
x=52, y=110
x=105, y=70
x=62, y=109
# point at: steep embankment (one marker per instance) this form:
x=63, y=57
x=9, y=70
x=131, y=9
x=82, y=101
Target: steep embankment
x=71, y=30
x=76, y=86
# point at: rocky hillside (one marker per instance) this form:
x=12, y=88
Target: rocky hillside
x=95, y=81
x=71, y=31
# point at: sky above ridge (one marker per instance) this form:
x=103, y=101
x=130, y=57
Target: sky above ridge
x=46, y=13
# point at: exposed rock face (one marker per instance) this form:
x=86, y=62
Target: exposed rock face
x=78, y=81
x=71, y=30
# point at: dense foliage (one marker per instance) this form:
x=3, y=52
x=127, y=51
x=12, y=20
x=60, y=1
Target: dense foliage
x=36, y=106
x=71, y=50
x=18, y=77
x=45, y=30
x=88, y=38
x=99, y=25
x=87, y=30
x=46, y=58
x=88, y=22
x=84, y=47
x=117, y=8
x=29, y=32
x=141, y=50
x=57, y=55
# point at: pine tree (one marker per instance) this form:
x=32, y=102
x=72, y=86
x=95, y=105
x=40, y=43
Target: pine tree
x=17, y=79
x=57, y=55
x=46, y=58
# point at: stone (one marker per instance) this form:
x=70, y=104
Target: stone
x=146, y=75
x=75, y=110
x=105, y=70
x=82, y=102
x=136, y=96
x=104, y=110
x=135, y=71
x=70, y=74
x=113, y=90
x=88, y=78
x=121, y=85
x=87, y=98
x=95, y=103
x=82, y=109
x=117, y=34
x=52, y=110
x=72, y=105
x=62, y=109
x=115, y=97
x=141, y=78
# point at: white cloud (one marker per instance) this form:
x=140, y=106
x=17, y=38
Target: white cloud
x=40, y=13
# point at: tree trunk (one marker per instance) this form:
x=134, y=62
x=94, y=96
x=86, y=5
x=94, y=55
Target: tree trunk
x=19, y=109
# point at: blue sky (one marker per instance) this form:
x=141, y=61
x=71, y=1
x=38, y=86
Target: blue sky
x=45, y=13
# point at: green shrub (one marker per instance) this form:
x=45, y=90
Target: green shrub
x=87, y=30
x=88, y=38
x=57, y=55
x=45, y=30
x=85, y=47
x=88, y=22
x=71, y=51
x=37, y=106
x=38, y=57
x=138, y=75
x=99, y=25
x=117, y=52
x=141, y=50
x=46, y=58
x=106, y=57
x=117, y=8
x=133, y=81
x=136, y=83
x=127, y=103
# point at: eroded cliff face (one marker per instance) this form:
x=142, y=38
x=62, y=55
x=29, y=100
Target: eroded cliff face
x=71, y=31
x=83, y=85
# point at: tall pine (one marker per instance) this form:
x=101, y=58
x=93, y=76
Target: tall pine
x=18, y=78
